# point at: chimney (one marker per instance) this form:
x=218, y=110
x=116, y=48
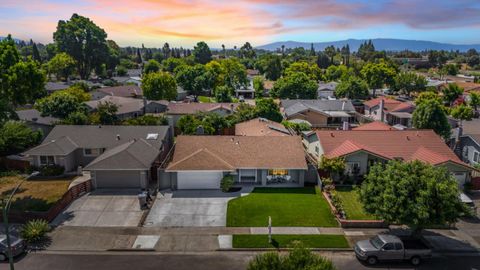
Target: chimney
x=346, y=125
x=382, y=106
x=118, y=137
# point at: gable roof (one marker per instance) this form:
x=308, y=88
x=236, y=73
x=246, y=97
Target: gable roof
x=260, y=127
x=294, y=106
x=34, y=116
x=407, y=145
x=233, y=152
x=63, y=139
x=122, y=91
x=330, y=86
x=195, y=107
x=375, y=125
x=56, y=86
x=391, y=105
x=134, y=154
x=125, y=105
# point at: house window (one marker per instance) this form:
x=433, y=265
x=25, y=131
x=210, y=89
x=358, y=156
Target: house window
x=47, y=160
x=317, y=149
x=475, y=157
x=93, y=152
x=353, y=167
x=278, y=172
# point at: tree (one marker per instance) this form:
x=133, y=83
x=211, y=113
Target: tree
x=473, y=60
x=223, y=93
x=366, y=51
x=341, y=72
x=267, y=108
x=166, y=51
x=474, y=100
x=84, y=41
x=297, y=127
x=258, y=85
x=408, y=82
x=330, y=51
x=450, y=69
x=390, y=191
x=312, y=70
x=352, y=88
x=78, y=92
x=377, y=75
x=36, y=53
x=246, y=51
x=62, y=65
x=16, y=136
x=77, y=118
x=147, y=120
x=189, y=124
x=451, y=93
x=271, y=66
x=430, y=114
x=462, y=112
x=26, y=82
x=202, y=53
x=230, y=72
x=151, y=66
x=63, y=103
x=171, y=64
x=194, y=79
x=323, y=61
x=299, y=258
x=428, y=95
x=295, y=86
x=159, y=85
x=437, y=58
x=106, y=113
x=334, y=166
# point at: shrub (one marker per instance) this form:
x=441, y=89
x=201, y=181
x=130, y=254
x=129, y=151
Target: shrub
x=226, y=183
x=35, y=230
x=51, y=170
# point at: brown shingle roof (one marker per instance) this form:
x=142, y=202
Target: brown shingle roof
x=260, y=127
x=233, y=152
x=408, y=145
x=390, y=105
x=122, y=91
x=194, y=107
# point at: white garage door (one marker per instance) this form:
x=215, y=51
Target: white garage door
x=461, y=178
x=199, y=180
x=118, y=179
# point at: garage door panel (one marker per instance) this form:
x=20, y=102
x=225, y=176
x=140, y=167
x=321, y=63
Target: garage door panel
x=117, y=179
x=199, y=180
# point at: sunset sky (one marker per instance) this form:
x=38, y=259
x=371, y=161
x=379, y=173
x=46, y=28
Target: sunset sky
x=232, y=22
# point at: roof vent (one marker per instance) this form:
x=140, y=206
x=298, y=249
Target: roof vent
x=331, y=134
x=152, y=136
x=118, y=137
x=408, y=138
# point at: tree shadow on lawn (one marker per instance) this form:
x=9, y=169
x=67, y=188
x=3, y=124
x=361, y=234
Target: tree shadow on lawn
x=29, y=203
x=285, y=190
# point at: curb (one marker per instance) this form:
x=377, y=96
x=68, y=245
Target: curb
x=132, y=249
x=284, y=249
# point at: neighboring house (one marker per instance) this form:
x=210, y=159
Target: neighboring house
x=52, y=87
x=260, y=127
x=129, y=91
x=466, y=141
x=326, y=90
x=181, y=94
x=319, y=113
x=128, y=80
x=116, y=156
x=362, y=148
x=391, y=111
x=200, y=162
x=36, y=121
x=177, y=110
x=130, y=107
x=375, y=125
x=246, y=91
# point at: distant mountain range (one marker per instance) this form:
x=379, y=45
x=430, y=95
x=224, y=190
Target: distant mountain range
x=386, y=44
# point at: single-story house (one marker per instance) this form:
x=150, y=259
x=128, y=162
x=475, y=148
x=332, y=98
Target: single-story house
x=319, y=113
x=470, y=148
x=200, y=162
x=176, y=110
x=116, y=156
x=391, y=111
x=36, y=121
x=362, y=148
x=261, y=127
x=326, y=90
x=127, y=91
x=130, y=107
x=247, y=91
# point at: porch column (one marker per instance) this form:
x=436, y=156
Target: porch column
x=301, y=178
x=143, y=179
x=264, y=177
x=239, y=175
x=256, y=175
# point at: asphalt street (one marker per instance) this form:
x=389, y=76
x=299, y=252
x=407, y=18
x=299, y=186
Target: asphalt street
x=208, y=261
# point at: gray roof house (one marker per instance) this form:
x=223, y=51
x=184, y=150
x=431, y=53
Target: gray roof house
x=130, y=107
x=326, y=90
x=116, y=156
x=467, y=141
x=132, y=91
x=36, y=121
x=319, y=113
x=51, y=87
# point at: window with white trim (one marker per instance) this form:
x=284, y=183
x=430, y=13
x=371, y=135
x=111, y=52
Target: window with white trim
x=47, y=160
x=476, y=157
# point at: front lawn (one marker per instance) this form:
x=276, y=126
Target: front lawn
x=33, y=195
x=283, y=241
x=205, y=99
x=294, y=207
x=352, y=205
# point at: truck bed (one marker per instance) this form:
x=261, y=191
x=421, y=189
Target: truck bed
x=410, y=243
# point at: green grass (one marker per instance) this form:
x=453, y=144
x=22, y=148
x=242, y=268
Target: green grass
x=205, y=99
x=296, y=207
x=283, y=241
x=352, y=205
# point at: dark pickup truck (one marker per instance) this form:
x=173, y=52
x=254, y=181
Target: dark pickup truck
x=386, y=247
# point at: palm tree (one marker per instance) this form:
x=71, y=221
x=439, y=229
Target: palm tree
x=224, y=52
x=283, y=50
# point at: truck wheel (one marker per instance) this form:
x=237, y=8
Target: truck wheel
x=415, y=260
x=3, y=257
x=372, y=260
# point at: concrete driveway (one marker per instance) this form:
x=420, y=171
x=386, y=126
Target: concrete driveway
x=190, y=208
x=103, y=208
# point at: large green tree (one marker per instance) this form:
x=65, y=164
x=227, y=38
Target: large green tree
x=271, y=66
x=84, y=41
x=412, y=193
x=451, y=93
x=474, y=100
x=341, y=72
x=196, y=80
x=296, y=86
x=201, y=53
x=312, y=70
x=462, y=112
x=258, y=86
x=151, y=66
x=159, y=85
x=378, y=74
x=267, y=108
x=352, y=88
x=409, y=82
x=430, y=114
x=16, y=136
x=62, y=65
x=62, y=103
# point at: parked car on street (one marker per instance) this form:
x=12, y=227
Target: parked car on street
x=17, y=244
x=384, y=247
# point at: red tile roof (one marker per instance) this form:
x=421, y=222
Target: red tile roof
x=408, y=145
x=391, y=105
x=376, y=125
